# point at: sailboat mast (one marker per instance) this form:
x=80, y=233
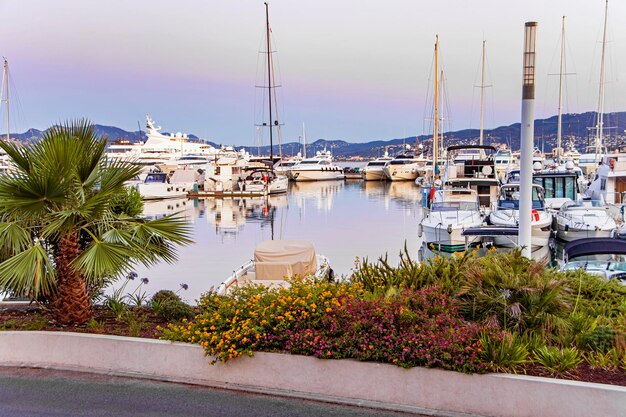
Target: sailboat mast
x=599, y=128
x=6, y=89
x=436, y=110
x=269, y=81
x=482, y=96
x=303, y=141
x=559, y=130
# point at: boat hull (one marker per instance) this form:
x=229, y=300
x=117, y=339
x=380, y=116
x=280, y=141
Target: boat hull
x=317, y=175
x=374, y=175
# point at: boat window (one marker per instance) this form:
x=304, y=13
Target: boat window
x=156, y=178
x=309, y=162
x=376, y=164
x=569, y=188
x=454, y=206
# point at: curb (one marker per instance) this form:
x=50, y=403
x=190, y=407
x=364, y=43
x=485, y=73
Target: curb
x=418, y=390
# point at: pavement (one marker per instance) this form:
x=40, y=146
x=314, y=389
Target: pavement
x=27, y=392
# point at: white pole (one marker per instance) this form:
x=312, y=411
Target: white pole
x=482, y=97
x=526, y=139
x=6, y=89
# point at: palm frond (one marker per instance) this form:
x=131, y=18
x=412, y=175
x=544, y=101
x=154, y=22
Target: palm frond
x=28, y=273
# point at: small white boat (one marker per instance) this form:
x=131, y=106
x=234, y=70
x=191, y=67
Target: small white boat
x=506, y=214
x=318, y=168
x=374, y=171
x=600, y=256
x=264, y=181
x=276, y=261
x=451, y=211
x=585, y=218
x=157, y=185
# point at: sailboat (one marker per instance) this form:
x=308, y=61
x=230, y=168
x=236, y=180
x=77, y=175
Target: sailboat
x=589, y=160
x=5, y=166
x=267, y=181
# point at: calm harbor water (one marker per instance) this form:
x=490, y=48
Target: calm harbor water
x=342, y=219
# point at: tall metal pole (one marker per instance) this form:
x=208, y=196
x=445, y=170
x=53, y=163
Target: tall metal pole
x=600, y=126
x=303, y=141
x=559, y=130
x=269, y=81
x=6, y=89
x=436, y=111
x=526, y=140
x=482, y=96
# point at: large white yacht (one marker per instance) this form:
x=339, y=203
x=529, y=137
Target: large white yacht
x=405, y=167
x=506, y=213
x=158, y=147
x=373, y=171
x=450, y=212
x=318, y=168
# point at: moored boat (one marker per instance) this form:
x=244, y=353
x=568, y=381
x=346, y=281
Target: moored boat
x=277, y=261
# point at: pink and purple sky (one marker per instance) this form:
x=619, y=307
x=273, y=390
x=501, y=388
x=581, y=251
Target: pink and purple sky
x=356, y=70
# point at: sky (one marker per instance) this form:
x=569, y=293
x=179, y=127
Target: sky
x=356, y=70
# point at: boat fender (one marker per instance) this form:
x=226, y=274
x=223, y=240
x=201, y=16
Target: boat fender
x=420, y=230
x=612, y=164
x=449, y=229
x=331, y=275
x=534, y=216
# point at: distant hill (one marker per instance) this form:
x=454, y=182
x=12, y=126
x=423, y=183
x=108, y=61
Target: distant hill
x=575, y=126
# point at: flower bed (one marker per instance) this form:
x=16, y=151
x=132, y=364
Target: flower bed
x=499, y=313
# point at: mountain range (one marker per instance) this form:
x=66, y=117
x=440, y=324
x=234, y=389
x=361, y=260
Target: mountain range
x=576, y=127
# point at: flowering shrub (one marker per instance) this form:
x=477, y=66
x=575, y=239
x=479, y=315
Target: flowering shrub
x=327, y=320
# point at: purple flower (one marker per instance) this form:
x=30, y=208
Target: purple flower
x=144, y=280
x=184, y=286
x=132, y=275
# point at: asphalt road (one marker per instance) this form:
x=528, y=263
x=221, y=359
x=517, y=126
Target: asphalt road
x=46, y=393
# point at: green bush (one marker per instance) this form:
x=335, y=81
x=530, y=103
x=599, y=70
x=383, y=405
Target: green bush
x=601, y=339
x=557, y=360
x=168, y=305
x=505, y=353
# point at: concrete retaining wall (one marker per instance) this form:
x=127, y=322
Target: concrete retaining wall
x=370, y=384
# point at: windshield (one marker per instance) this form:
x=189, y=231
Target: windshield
x=156, y=178
x=454, y=206
x=509, y=199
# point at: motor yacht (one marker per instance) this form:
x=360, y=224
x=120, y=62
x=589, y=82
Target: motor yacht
x=158, y=185
x=601, y=256
x=265, y=181
x=374, y=170
x=275, y=262
x=158, y=147
x=318, y=168
x=283, y=167
x=506, y=214
x=405, y=167
x=449, y=213
x=584, y=218
x=475, y=170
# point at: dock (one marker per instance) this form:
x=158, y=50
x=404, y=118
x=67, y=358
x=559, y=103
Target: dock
x=229, y=194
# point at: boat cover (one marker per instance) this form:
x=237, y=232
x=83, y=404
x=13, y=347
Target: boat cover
x=184, y=176
x=277, y=259
x=595, y=246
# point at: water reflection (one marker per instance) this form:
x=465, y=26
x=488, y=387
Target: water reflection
x=342, y=219
x=230, y=215
x=321, y=193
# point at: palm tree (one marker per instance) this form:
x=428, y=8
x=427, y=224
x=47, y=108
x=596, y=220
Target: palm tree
x=60, y=233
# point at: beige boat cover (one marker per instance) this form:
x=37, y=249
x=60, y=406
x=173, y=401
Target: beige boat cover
x=280, y=259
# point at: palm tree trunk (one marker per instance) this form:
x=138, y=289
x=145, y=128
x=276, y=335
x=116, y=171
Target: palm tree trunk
x=72, y=304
